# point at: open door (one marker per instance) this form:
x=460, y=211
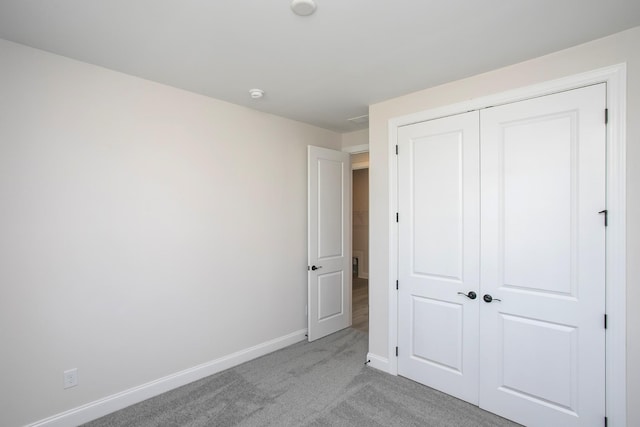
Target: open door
x=329, y=250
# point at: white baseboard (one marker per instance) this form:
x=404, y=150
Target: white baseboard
x=363, y=275
x=109, y=404
x=378, y=362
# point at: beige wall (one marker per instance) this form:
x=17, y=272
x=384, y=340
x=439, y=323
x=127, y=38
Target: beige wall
x=618, y=48
x=355, y=139
x=144, y=230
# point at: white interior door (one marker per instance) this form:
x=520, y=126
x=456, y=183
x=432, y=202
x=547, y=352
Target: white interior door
x=329, y=240
x=542, y=346
x=439, y=219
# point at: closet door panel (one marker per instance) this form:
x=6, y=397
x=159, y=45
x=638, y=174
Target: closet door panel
x=438, y=253
x=542, y=259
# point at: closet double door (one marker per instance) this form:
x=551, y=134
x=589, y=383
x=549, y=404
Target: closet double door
x=502, y=257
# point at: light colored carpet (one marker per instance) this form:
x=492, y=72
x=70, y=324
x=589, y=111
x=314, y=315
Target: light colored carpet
x=323, y=383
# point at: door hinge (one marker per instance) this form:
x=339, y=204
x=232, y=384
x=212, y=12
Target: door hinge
x=606, y=421
x=397, y=285
x=397, y=217
x=606, y=117
x=396, y=351
x=396, y=149
x=606, y=217
x=605, y=321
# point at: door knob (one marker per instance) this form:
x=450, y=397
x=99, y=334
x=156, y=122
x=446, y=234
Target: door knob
x=314, y=268
x=470, y=295
x=489, y=298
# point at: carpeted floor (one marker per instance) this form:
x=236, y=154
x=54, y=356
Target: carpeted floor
x=323, y=383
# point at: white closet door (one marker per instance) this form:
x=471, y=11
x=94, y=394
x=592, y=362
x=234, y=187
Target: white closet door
x=542, y=346
x=438, y=191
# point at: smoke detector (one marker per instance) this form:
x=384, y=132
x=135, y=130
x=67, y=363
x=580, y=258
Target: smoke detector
x=256, y=93
x=303, y=7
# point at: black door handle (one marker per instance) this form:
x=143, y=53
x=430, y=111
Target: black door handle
x=314, y=268
x=470, y=295
x=489, y=298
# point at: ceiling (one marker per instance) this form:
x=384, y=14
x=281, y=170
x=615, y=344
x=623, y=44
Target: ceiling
x=322, y=69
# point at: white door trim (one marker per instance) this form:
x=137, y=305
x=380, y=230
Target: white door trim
x=615, y=77
x=356, y=149
x=359, y=165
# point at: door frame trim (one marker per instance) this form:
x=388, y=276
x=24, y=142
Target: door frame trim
x=615, y=78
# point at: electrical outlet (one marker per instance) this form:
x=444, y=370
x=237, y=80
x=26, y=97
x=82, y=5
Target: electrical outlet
x=70, y=378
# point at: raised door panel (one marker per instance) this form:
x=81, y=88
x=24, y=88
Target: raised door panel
x=330, y=231
x=543, y=375
x=537, y=179
x=330, y=295
x=436, y=208
x=440, y=322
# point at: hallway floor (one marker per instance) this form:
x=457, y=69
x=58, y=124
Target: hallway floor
x=360, y=304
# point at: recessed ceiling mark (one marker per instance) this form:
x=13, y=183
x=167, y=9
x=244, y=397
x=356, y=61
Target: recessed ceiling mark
x=303, y=7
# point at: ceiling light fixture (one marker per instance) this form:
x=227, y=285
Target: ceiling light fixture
x=256, y=93
x=303, y=7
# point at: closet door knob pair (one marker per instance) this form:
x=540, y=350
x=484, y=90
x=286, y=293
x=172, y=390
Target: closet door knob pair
x=473, y=295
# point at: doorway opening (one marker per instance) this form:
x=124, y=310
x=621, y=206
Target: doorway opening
x=360, y=242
